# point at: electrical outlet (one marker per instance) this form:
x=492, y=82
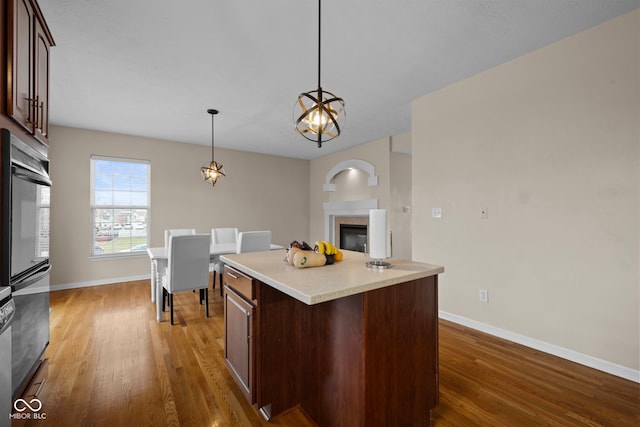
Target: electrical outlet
x=484, y=295
x=436, y=213
x=484, y=213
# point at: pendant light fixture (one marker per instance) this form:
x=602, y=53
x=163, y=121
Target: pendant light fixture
x=213, y=170
x=319, y=115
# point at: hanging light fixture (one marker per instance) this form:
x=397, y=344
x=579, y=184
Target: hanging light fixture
x=319, y=115
x=213, y=170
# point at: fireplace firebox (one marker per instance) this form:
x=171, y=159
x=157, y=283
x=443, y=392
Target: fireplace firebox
x=353, y=237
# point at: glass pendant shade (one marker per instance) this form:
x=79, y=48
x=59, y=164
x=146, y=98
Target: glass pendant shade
x=212, y=171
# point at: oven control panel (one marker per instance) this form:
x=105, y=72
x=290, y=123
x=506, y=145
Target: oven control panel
x=7, y=309
x=6, y=314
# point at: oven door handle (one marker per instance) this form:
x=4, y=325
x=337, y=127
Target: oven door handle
x=29, y=280
x=36, y=178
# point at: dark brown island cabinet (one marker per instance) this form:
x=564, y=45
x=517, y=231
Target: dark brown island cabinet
x=239, y=326
x=350, y=345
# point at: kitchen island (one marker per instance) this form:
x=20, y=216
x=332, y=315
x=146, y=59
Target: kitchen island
x=351, y=346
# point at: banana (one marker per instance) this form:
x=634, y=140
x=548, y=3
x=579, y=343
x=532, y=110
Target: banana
x=334, y=249
x=326, y=248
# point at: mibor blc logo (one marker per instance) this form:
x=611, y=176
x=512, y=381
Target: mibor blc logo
x=28, y=410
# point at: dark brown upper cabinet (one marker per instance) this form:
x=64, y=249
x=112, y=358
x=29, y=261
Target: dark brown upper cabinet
x=28, y=52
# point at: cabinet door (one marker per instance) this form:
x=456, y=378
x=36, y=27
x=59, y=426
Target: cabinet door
x=20, y=62
x=41, y=79
x=239, y=341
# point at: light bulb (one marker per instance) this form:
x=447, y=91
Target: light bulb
x=317, y=121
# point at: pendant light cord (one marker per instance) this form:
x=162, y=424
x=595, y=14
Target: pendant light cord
x=319, y=38
x=212, y=136
x=320, y=97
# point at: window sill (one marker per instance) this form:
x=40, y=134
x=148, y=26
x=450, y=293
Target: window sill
x=120, y=255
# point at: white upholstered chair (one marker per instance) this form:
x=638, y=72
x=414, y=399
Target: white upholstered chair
x=224, y=235
x=187, y=267
x=158, y=267
x=253, y=241
x=177, y=232
x=221, y=235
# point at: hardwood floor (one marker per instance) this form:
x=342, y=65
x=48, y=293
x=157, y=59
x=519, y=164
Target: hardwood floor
x=487, y=381
x=111, y=364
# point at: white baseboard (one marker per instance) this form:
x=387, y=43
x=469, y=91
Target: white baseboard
x=77, y=285
x=573, y=356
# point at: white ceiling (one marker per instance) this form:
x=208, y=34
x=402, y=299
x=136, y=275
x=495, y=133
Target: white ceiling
x=153, y=67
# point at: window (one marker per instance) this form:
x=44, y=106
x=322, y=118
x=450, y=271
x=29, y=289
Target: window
x=119, y=206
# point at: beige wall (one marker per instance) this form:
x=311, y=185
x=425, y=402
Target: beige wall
x=400, y=198
x=393, y=190
x=401, y=194
x=347, y=187
x=259, y=192
x=375, y=152
x=549, y=143
x=401, y=143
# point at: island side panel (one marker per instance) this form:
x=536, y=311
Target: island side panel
x=281, y=320
x=369, y=359
x=333, y=366
x=401, y=353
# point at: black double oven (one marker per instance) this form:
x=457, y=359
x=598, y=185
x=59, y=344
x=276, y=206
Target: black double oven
x=25, y=263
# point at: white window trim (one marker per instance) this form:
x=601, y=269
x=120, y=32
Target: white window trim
x=92, y=206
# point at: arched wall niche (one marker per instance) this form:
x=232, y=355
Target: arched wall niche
x=349, y=164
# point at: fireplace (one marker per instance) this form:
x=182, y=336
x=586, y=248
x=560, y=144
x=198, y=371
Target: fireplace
x=355, y=212
x=351, y=232
x=353, y=237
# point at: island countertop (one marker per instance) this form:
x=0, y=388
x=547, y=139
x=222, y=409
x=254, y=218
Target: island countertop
x=314, y=285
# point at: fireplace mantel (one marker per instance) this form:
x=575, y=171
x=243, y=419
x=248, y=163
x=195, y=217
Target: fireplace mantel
x=346, y=208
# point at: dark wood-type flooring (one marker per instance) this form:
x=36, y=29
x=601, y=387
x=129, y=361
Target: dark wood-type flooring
x=111, y=364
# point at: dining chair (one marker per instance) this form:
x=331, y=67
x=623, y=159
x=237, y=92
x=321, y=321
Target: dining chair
x=224, y=235
x=253, y=241
x=187, y=268
x=221, y=235
x=158, y=267
x=177, y=232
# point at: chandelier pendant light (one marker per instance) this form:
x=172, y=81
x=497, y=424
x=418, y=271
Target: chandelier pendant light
x=319, y=115
x=213, y=170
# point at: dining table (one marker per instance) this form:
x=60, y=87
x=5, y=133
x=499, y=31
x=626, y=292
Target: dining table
x=159, y=257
